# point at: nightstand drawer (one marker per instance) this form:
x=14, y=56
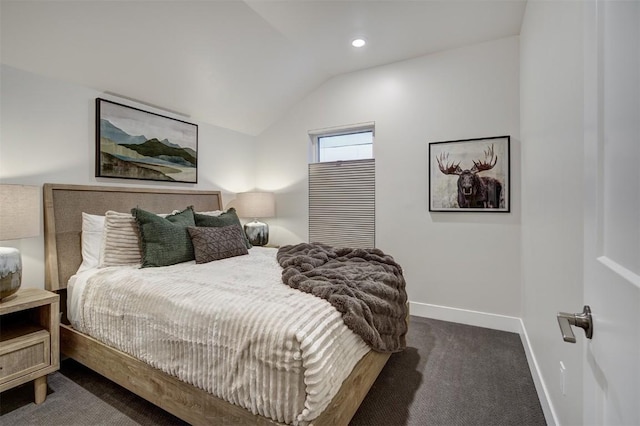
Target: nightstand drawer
x=25, y=354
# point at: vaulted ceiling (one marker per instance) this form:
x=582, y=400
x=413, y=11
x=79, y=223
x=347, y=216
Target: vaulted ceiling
x=235, y=64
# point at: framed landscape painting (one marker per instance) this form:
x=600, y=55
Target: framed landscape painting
x=470, y=175
x=136, y=144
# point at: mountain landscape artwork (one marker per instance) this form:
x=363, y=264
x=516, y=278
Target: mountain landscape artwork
x=136, y=144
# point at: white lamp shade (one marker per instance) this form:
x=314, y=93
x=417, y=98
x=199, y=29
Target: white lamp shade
x=256, y=204
x=19, y=211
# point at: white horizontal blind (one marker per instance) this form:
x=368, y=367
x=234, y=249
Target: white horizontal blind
x=342, y=203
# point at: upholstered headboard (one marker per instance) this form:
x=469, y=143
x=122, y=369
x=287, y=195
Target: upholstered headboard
x=64, y=204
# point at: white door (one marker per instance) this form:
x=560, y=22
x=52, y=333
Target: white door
x=612, y=212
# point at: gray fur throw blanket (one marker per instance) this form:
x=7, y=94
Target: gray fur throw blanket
x=365, y=285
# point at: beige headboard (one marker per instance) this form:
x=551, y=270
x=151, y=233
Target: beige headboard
x=64, y=204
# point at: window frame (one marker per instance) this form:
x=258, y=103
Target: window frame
x=315, y=135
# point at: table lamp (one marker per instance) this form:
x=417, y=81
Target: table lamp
x=19, y=218
x=256, y=205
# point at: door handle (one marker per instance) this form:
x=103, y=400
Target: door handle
x=582, y=320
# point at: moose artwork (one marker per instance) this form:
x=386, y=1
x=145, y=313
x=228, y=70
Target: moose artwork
x=470, y=175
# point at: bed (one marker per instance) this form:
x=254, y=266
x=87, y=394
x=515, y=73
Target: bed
x=64, y=205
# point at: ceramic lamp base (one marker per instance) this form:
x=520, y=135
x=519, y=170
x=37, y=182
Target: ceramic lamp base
x=257, y=233
x=10, y=271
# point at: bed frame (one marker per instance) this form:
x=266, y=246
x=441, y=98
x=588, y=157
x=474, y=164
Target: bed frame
x=63, y=207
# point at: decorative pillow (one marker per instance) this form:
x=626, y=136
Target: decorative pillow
x=120, y=241
x=92, y=230
x=224, y=219
x=217, y=243
x=165, y=241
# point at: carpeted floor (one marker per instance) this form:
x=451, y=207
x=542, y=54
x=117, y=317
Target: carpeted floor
x=450, y=374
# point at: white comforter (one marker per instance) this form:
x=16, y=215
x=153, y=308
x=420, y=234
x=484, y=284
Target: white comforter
x=230, y=327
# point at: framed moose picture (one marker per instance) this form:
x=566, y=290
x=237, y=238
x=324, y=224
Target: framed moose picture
x=470, y=175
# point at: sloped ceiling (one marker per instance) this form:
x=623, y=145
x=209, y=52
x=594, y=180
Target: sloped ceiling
x=235, y=64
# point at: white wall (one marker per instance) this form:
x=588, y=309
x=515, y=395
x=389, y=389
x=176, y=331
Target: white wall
x=462, y=260
x=552, y=191
x=47, y=134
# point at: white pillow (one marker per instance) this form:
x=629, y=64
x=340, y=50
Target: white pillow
x=121, y=241
x=210, y=213
x=213, y=213
x=92, y=230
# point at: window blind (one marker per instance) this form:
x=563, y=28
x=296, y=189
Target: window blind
x=342, y=203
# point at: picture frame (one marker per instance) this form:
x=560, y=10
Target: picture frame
x=135, y=144
x=470, y=175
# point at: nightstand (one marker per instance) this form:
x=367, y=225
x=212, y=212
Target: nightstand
x=29, y=339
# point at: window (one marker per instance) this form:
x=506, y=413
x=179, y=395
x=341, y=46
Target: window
x=342, y=143
x=342, y=187
x=351, y=146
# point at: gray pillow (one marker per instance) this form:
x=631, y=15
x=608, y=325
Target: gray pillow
x=211, y=243
x=225, y=219
x=165, y=241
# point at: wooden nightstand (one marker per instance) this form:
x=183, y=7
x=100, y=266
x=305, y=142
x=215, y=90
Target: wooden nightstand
x=29, y=339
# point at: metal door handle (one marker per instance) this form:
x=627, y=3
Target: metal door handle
x=582, y=320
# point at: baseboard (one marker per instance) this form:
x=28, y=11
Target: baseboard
x=494, y=322
x=465, y=316
x=541, y=388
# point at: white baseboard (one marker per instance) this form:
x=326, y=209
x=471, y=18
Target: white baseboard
x=465, y=316
x=494, y=322
x=543, y=395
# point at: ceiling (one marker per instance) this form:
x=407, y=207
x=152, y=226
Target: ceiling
x=235, y=64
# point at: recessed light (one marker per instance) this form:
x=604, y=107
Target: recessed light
x=359, y=42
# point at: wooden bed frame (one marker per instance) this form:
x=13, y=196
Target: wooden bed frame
x=63, y=207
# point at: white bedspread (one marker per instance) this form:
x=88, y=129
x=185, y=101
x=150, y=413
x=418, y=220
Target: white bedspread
x=230, y=327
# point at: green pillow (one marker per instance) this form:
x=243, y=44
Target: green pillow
x=225, y=219
x=165, y=241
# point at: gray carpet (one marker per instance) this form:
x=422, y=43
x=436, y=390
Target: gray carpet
x=450, y=374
